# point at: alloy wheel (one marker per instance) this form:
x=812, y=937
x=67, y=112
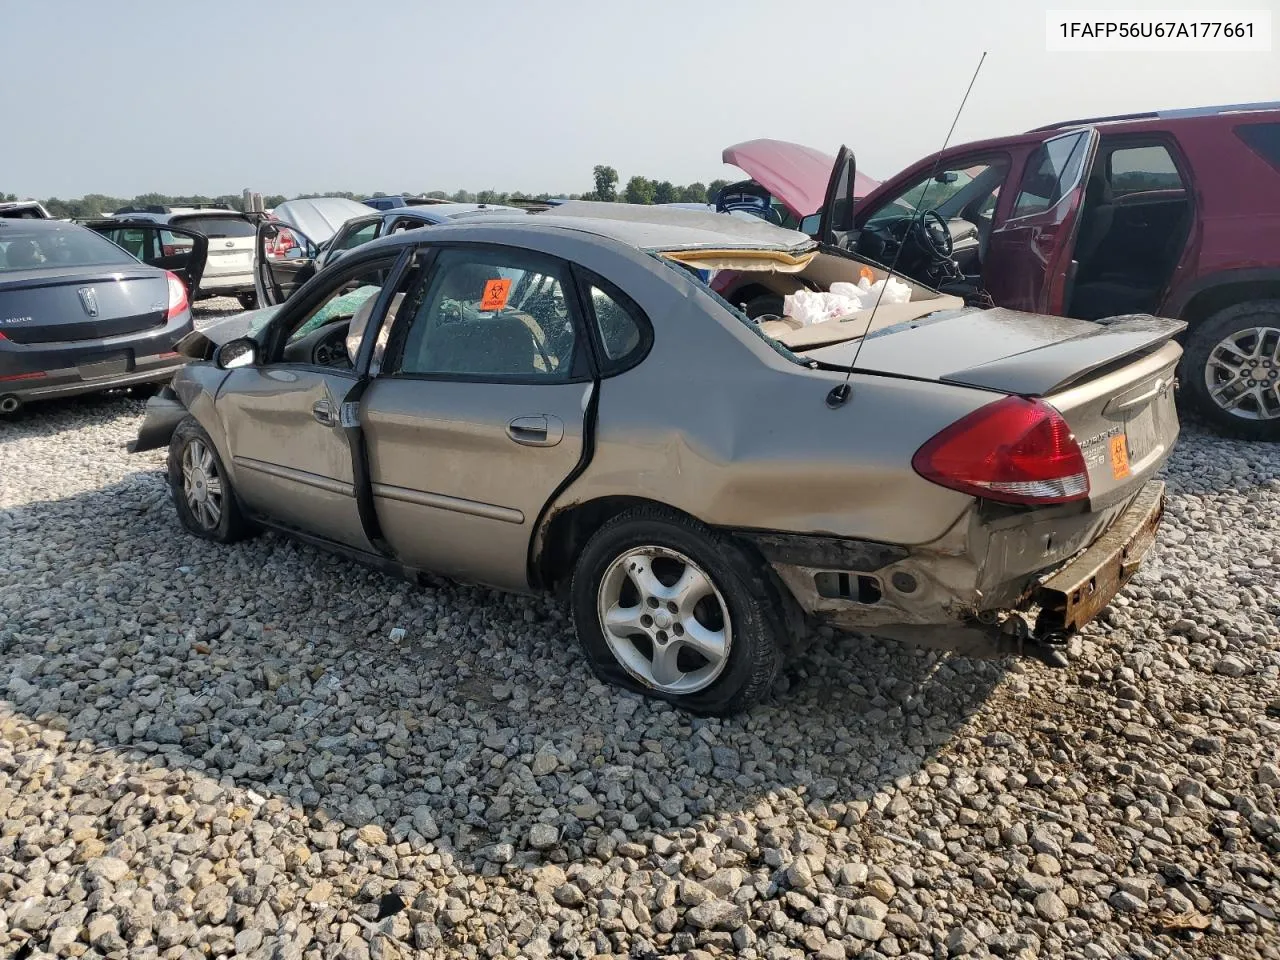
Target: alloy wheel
x=201, y=484
x=1242, y=373
x=664, y=620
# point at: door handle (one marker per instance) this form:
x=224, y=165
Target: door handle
x=536, y=431
x=323, y=412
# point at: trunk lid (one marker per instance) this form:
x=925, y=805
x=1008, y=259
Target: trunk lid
x=40, y=308
x=1112, y=381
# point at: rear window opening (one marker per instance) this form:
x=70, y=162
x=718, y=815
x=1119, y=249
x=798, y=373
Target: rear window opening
x=817, y=273
x=216, y=228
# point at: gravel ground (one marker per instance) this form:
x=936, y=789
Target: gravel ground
x=210, y=751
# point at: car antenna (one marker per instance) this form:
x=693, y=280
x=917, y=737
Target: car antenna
x=840, y=393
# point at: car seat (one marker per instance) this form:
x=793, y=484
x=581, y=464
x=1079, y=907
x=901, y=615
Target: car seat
x=1096, y=219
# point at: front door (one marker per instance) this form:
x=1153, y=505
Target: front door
x=183, y=252
x=285, y=259
x=290, y=453
x=1028, y=258
x=478, y=413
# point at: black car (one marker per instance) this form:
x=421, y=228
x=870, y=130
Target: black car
x=79, y=314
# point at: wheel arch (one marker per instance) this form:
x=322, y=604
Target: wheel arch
x=567, y=530
x=1203, y=299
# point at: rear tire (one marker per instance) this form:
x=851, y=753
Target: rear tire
x=1231, y=370
x=692, y=619
x=201, y=489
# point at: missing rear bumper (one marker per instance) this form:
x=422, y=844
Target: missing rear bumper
x=941, y=607
x=1077, y=593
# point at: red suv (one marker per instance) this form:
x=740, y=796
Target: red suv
x=1174, y=213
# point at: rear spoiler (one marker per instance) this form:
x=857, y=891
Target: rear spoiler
x=1055, y=366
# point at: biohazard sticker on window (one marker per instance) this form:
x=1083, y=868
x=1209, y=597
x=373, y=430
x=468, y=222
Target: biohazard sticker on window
x=495, y=294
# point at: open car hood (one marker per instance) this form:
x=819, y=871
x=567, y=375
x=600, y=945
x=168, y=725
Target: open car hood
x=794, y=174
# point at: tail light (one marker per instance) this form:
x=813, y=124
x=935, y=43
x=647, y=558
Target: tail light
x=1014, y=450
x=178, y=300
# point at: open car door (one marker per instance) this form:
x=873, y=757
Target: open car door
x=285, y=260
x=1028, y=264
x=836, y=217
x=159, y=245
x=353, y=233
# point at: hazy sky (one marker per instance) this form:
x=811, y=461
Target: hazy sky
x=125, y=96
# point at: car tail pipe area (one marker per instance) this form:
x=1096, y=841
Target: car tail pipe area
x=10, y=403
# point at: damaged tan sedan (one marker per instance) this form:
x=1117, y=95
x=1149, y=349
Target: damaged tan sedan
x=561, y=402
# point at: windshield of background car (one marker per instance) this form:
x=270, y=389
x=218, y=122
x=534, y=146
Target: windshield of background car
x=70, y=246
x=940, y=193
x=217, y=227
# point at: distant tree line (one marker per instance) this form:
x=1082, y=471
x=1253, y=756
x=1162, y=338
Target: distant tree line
x=638, y=190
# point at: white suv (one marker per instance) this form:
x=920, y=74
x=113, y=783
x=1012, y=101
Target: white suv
x=229, y=268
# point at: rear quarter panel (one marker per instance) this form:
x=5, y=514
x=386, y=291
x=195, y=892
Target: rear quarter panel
x=716, y=423
x=1237, y=195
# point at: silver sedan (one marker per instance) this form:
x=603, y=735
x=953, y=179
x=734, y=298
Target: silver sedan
x=562, y=403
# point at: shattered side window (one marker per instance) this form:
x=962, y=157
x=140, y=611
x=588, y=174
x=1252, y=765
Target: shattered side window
x=344, y=304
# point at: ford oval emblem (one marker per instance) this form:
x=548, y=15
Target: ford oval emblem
x=89, y=300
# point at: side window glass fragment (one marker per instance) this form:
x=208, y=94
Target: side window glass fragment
x=620, y=332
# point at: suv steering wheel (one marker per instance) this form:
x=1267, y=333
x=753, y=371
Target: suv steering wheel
x=933, y=235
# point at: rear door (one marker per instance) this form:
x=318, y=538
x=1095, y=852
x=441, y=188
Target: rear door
x=478, y=414
x=836, y=221
x=169, y=248
x=1028, y=257
x=286, y=259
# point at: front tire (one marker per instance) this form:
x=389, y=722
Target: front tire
x=248, y=301
x=201, y=489
x=667, y=608
x=1231, y=370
